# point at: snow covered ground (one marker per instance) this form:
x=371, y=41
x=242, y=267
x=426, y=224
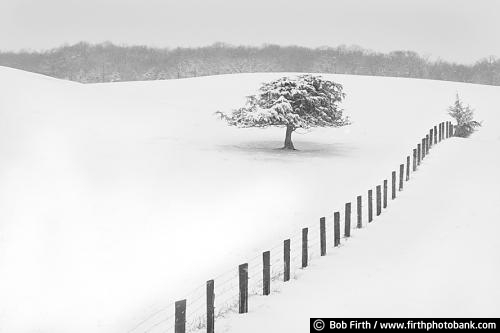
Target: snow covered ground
x=433, y=253
x=117, y=199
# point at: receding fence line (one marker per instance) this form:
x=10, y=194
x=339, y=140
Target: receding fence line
x=435, y=135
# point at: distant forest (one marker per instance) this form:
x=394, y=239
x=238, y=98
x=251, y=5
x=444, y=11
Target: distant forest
x=106, y=62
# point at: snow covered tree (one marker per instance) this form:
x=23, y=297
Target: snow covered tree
x=464, y=117
x=304, y=101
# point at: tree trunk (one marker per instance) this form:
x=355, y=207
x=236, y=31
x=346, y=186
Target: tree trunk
x=288, y=138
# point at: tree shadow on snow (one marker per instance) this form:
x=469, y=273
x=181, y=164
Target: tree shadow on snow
x=304, y=149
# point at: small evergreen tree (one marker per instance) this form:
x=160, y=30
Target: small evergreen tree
x=464, y=115
x=302, y=102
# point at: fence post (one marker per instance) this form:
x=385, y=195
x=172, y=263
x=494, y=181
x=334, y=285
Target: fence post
x=370, y=206
x=322, y=236
x=385, y=193
x=423, y=148
x=435, y=135
x=243, y=278
x=407, y=168
x=393, y=185
x=452, y=129
x=426, y=144
x=286, y=260
x=336, y=229
x=180, y=316
x=447, y=129
x=210, y=307
x=359, y=212
x=347, y=224
x=430, y=137
x=401, y=175
x=304, y=247
x=379, y=199
x=419, y=153
x=414, y=160
x=266, y=273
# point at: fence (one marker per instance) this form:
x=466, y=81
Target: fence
x=231, y=291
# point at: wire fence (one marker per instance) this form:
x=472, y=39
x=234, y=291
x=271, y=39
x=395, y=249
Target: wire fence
x=200, y=309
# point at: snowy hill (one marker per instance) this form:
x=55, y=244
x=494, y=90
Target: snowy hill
x=116, y=199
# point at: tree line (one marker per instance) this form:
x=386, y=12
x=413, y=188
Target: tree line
x=106, y=62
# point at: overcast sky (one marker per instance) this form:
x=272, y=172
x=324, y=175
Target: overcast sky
x=456, y=30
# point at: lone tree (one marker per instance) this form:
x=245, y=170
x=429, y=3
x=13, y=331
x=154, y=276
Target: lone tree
x=464, y=117
x=302, y=102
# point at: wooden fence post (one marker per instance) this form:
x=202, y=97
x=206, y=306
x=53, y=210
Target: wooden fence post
x=286, y=260
x=401, y=175
x=414, y=160
x=243, y=279
x=431, y=134
x=370, y=206
x=452, y=129
x=210, y=306
x=180, y=316
x=359, y=212
x=393, y=185
x=426, y=144
x=378, y=196
x=447, y=129
x=304, y=247
x=322, y=236
x=423, y=148
x=347, y=222
x=407, y=168
x=336, y=229
x=419, y=153
x=385, y=193
x=435, y=135
x=266, y=273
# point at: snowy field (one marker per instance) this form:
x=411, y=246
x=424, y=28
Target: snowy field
x=117, y=199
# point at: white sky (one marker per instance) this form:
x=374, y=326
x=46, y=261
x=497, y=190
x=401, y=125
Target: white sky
x=456, y=30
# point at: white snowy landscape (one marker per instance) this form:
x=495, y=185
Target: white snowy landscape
x=117, y=199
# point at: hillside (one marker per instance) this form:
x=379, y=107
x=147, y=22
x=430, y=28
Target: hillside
x=116, y=199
